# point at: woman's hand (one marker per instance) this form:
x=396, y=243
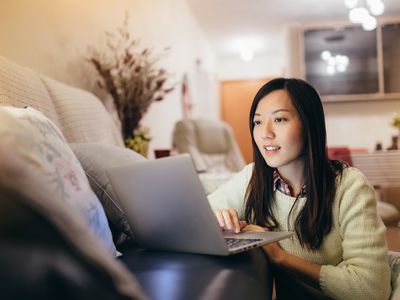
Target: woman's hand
x=252, y=227
x=274, y=252
x=228, y=219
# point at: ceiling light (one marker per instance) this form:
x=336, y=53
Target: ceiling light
x=358, y=14
x=369, y=24
x=351, y=3
x=377, y=8
x=247, y=54
x=363, y=12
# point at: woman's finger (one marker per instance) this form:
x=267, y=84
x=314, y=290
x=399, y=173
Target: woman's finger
x=235, y=220
x=242, y=224
x=220, y=218
x=227, y=219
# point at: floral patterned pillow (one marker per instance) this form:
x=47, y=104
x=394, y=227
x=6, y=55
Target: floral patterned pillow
x=394, y=262
x=44, y=151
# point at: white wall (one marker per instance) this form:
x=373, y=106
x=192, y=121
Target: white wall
x=361, y=124
x=52, y=37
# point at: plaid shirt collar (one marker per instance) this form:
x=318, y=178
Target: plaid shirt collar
x=281, y=185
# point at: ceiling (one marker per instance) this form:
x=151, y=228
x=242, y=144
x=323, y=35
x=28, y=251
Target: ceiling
x=260, y=24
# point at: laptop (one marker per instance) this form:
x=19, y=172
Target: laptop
x=167, y=209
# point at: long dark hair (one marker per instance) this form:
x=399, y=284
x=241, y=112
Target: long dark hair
x=315, y=219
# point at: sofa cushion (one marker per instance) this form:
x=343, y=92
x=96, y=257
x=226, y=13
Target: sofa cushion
x=388, y=213
x=212, y=137
x=394, y=262
x=43, y=152
x=22, y=87
x=95, y=160
x=47, y=250
x=83, y=117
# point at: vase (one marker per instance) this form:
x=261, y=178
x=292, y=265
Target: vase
x=395, y=141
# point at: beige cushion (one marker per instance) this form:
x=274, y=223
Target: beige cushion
x=212, y=137
x=43, y=153
x=391, y=194
x=18, y=179
x=394, y=262
x=211, y=145
x=92, y=158
x=388, y=213
x=22, y=87
x=82, y=116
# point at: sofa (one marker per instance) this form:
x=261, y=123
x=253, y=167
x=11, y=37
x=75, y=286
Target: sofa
x=62, y=232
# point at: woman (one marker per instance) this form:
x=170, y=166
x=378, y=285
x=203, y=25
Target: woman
x=339, y=243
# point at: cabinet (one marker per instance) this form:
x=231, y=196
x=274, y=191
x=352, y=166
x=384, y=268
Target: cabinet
x=391, y=57
x=344, y=62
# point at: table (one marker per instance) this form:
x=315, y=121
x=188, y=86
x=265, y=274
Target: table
x=181, y=276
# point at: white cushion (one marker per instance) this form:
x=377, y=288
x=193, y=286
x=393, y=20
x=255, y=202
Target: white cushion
x=44, y=153
x=394, y=262
x=82, y=116
x=91, y=157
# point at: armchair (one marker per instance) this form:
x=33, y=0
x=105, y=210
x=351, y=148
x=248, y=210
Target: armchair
x=211, y=144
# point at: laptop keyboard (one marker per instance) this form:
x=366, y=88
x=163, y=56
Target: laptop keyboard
x=233, y=242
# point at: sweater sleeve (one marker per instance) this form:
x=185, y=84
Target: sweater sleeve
x=232, y=193
x=364, y=272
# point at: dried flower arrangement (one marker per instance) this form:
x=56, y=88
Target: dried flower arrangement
x=131, y=76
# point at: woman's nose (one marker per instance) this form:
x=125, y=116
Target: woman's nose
x=268, y=132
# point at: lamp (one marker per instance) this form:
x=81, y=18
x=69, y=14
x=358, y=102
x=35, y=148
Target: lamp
x=364, y=12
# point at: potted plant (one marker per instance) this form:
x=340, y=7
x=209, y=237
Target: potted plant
x=133, y=79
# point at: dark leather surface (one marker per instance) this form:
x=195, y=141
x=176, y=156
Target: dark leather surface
x=180, y=276
x=37, y=262
x=289, y=286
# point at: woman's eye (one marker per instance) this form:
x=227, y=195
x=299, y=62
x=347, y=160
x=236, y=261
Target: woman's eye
x=280, y=120
x=256, y=122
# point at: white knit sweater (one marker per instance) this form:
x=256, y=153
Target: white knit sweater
x=356, y=241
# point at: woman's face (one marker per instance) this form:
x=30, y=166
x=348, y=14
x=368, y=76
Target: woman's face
x=278, y=132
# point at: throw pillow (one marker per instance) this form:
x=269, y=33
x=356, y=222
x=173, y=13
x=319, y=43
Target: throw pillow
x=44, y=153
x=25, y=194
x=95, y=160
x=394, y=262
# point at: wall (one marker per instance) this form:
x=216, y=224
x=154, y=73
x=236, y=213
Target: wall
x=52, y=37
x=361, y=124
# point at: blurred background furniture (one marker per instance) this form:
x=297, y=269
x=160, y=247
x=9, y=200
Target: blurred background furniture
x=382, y=170
x=211, y=144
x=212, y=147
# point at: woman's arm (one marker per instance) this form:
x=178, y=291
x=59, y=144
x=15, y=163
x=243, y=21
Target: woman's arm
x=305, y=270
x=364, y=272
x=232, y=193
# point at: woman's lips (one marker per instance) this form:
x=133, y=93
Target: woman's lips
x=271, y=148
